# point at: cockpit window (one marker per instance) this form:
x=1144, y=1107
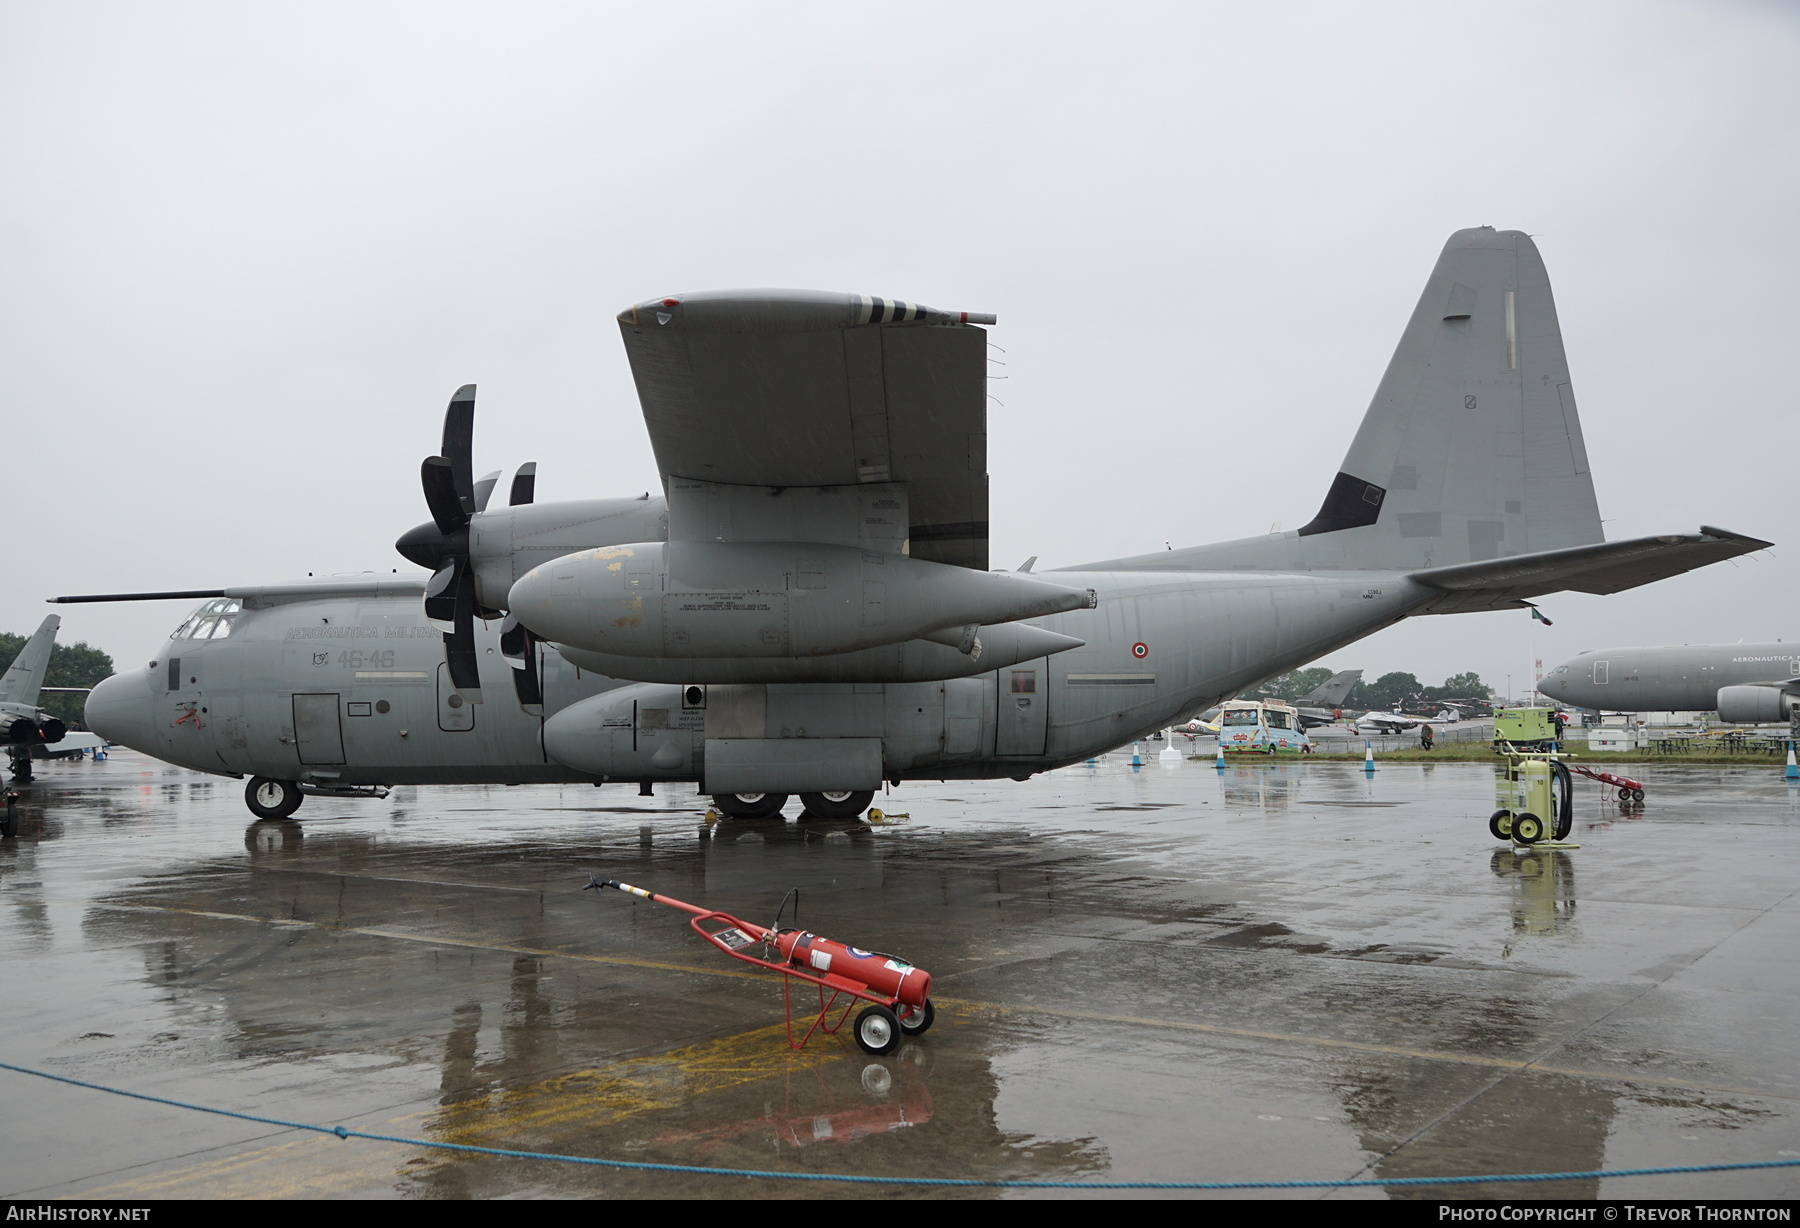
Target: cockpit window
x=211, y=621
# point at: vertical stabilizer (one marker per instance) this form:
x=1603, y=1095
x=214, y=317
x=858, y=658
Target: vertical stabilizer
x=26, y=676
x=1471, y=448
x=1332, y=692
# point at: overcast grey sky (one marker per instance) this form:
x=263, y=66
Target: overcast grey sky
x=249, y=250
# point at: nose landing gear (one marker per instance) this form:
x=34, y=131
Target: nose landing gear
x=272, y=799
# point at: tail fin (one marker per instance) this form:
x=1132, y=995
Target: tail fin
x=1471, y=449
x=1332, y=692
x=25, y=678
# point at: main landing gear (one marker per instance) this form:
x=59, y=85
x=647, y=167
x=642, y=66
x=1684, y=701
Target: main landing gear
x=847, y=804
x=272, y=799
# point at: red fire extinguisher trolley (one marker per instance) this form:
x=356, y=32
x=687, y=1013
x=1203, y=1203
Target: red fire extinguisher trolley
x=899, y=994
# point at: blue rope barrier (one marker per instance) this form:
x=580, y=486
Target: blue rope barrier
x=344, y=1132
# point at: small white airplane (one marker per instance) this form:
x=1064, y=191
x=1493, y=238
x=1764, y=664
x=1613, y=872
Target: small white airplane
x=1389, y=722
x=1197, y=727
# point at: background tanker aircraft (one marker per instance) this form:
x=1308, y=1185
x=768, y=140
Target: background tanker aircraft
x=1749, y=683
x=808, y=607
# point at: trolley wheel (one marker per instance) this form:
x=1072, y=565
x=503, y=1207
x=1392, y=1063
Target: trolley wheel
x=877, y=1031
x=272, y=799
x=1637, y=795
x=1500, y=824
x=750, y=805
x=845, y=805
x=1527, y=828
x=1624, y=794
x=917, y=1020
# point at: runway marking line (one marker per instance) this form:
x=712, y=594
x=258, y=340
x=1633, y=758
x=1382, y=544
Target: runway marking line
x=579, y=1102
x=1005, y=1008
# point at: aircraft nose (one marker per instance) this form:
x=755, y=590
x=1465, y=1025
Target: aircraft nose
x=118, y=709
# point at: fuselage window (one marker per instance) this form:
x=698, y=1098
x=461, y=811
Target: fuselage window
x=1024, y=682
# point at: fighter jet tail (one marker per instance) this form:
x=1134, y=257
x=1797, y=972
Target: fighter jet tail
x=1332, y=692
x=26, y=677
x=1471, y=449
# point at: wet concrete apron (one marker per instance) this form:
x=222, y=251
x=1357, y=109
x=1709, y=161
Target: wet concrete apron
x=1281, y=971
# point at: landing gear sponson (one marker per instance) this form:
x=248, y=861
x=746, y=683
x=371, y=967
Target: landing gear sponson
x=268, y=798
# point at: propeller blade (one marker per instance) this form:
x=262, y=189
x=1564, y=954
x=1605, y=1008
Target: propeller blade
x=519, y=649
x=440, y=598
x=524, y=484
x=438, y=477
x=459, y=645
x=459, y=445
x=484, y=487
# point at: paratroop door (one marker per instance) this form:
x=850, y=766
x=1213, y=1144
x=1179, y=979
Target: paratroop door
x=1023, y=721
x=317, y=732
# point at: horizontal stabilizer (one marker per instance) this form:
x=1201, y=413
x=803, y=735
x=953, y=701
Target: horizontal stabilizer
x=1607, y=567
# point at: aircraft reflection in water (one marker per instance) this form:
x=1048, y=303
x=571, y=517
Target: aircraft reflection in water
x=807, y=608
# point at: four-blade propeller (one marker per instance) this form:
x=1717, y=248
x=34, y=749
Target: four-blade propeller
x=454, y=498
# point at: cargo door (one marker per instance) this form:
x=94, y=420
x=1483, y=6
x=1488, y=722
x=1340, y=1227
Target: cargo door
x=1022, y=724
x=318, y=734
x=962, y=717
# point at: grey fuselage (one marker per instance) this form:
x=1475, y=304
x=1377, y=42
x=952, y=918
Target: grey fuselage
x=297, y=690
x=1677, y=678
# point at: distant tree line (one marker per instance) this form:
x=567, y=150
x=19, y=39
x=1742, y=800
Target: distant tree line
x=1395, y=690
x=76, y=664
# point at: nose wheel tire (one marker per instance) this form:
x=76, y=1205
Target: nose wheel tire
x=749, y=805
x=917, y=1020
x=877, y=1031
x=272, y=799
x=845, y=805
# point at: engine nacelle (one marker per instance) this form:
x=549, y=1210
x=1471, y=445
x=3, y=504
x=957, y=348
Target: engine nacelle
x=694, y=600
x=16, y=729
x=1755, y=705
x=913, y=661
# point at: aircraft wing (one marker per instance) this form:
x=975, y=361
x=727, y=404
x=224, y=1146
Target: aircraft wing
x=1605, y=567
x=786, y=389
x=77, y=740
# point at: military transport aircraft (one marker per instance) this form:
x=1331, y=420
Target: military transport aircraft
x=808, y=607
x=1747, y=683
x=25, y=729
